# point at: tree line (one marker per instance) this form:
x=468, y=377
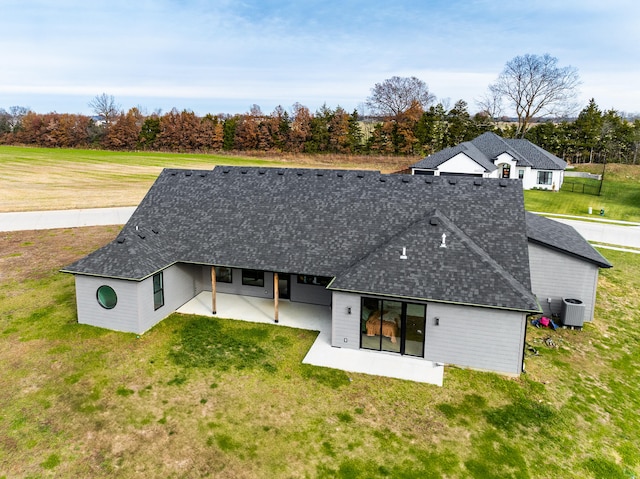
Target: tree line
x=593, y=136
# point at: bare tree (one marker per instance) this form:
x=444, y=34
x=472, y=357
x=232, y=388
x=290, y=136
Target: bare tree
x=536, y=87
x=105, y=107
x=396, y=95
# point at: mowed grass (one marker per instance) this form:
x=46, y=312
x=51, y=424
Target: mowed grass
x=34, y=179
x=620, y=195
x=204, y=397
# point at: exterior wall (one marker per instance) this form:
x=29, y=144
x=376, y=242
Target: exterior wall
x=556, y=275
x=237, y=287
x=467, y=336
x=479, y=338
x=308, y=293
x=531, y=179
x=345, y=327
x=460, y=163
x=123, y=317
x=180, y=285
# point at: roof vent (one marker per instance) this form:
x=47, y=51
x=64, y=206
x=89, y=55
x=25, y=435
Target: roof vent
x=261, y=172
x=477, y=182
x=299, y=173
x=434, y=221
x=428, y=180
x=453, y=180
x=244, y=172
x=339, y=174
x=173, y=173
x=503, y=183
x=280, y=172
x=360, y=175
x=203, y=174
x=121, y=239
x=154, y=231
x=319, y=173
x=225, y=171
x=188, y=173
x=383, y=179
x=141, y=236
x=406, y=180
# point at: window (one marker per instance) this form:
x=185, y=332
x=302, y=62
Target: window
x=520, y=174
x=158, y=291
x=107, y=297
x=545, y=177
x=316, y=280
x=253, y=277
x=224, y=275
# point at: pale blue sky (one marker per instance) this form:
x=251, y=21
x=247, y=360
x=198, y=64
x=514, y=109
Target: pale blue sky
x=214, y=56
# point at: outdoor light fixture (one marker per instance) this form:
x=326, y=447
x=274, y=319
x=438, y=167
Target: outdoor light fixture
x=436, y=321
x=348, y=309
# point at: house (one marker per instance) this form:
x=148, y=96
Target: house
x=429, y=267
x=491, y=156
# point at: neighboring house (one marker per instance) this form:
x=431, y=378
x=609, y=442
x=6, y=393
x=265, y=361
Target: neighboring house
x=491, y=156
x=431, y=267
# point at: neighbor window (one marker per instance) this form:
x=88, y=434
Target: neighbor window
x=545, y=177
x=253, y=277
x=224, y=275
x=316, y=280
x=520, y=174
x=158, y=291
x=107, y=297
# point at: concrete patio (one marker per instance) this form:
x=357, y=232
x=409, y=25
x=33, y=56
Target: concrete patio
x=317, y=318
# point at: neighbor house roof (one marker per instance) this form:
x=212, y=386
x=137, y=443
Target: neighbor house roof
x=563, y=238
x=348, y=225
x=486, y=148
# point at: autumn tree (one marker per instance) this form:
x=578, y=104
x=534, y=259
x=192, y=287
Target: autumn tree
x=536, y=87
x=396, y=95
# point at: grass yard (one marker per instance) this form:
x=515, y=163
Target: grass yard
x=49, y=179
x=203, y=397
x=620, y=196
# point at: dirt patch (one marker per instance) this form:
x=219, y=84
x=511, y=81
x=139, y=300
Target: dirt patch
x=34, y=254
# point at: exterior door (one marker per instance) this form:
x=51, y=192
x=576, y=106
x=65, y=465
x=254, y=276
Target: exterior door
x=393, y=326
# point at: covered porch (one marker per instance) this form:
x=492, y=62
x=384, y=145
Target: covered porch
x=316, y=318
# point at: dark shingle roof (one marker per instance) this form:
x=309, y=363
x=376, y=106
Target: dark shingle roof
x=350, y=225
x=485, y=148
x=562, y=238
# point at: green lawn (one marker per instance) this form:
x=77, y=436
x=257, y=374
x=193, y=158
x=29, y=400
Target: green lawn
x=620, y=195
x=202, y=397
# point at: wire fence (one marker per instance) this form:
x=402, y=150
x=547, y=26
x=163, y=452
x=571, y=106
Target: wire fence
x=582, y=187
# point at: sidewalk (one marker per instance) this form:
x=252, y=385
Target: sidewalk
x=43, y=220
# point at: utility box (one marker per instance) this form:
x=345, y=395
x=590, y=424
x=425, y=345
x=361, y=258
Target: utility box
x=572, y=314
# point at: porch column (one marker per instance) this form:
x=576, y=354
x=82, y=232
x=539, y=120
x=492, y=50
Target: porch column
x=276, y=295
x=213, y=289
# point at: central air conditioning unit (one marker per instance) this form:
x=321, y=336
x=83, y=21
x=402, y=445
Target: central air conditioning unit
x=572, y=314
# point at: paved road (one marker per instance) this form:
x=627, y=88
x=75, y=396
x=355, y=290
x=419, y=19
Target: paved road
x=599, y=231
x=43, y=220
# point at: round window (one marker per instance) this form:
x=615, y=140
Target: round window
x=107, y=297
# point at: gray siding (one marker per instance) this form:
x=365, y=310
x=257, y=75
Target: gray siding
x=556, y=275
x=124, y=317
x=180, y=285
x=237, y=287
x=479, y=338
x=345, y=328
x=308, y=293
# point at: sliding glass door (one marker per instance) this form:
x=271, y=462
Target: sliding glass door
x=393, y=326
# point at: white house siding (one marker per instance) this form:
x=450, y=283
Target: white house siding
x=530, y=179
x=123, y=317
x=460, y=164
x=479, y=338
x=505, y=158
x=345, y=327
x=180, y=285
x=308, y=293
x=557, y=275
